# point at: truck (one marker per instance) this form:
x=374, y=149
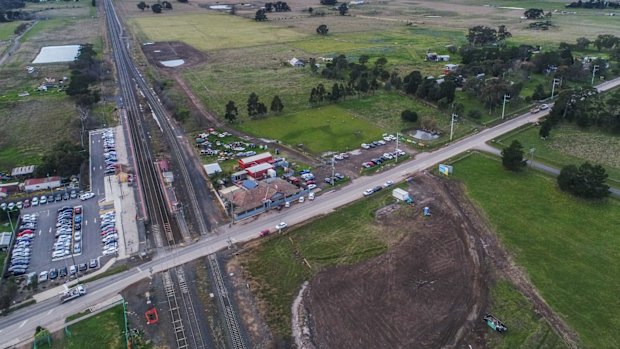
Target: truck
x=72, y=293
x=402, y=195
x=495, y=323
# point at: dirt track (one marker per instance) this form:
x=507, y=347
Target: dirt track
x=426, y=292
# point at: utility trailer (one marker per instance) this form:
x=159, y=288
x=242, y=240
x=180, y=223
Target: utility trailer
x=72, y=293
x=495, y=323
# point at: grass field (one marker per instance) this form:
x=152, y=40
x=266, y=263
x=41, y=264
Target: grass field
x=526, y=329
x=7, y=29
x=212, y=31
x=319, y=129
x=567, y=246
x=344, y=237
x=31, y=125
x=569, y=144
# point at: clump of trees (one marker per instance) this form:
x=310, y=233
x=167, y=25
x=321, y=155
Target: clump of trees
x=255, y=107
x=481, y=35
x=587, y=181
x=64, y=159
x=279, y=6
x=86, y=70
x=512, y=157
x=533, y=13
x=586, y=107
x=322, y=29
x=596, y=4
x=409, y=116
x=260, y=15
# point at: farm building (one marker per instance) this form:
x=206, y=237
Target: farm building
x=259, y=171
x=298, y=63
x=212, y=169
x=42, y=183
x=255, y=160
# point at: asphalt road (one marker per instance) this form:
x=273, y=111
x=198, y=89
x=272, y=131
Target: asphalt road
x=51, y=314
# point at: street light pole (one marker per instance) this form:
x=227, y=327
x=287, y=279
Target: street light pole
x=555, y=82
x=452, y=126
x=594, y=70
x=506, y=97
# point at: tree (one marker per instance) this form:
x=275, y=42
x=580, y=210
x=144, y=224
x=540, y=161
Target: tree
x=411, y=82
x=363, y=59
x=408, y=115
x=276, y=105
x=93, y=3
x=539, y=93
x=474, y=114
x=606, y=41
x=533, y=13
x=545, y=129
x=583, y=43
x=322, y=29
x=260, y=16
x=328, y=2
x=252, y=104
x=166, y=5
x=512, y=157
x=343, y=9
x=261, y=108
x=481, y=35
x=588, y=181
x=156, y=8
x=142, y=5
x=231, y=112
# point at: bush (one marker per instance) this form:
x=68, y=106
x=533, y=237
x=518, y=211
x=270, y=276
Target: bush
x=409, y=116
x=587, y=181
x=474, y=114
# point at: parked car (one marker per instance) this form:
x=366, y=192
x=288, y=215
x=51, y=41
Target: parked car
x=62, y=272
x=281, y=225
x=93, y=263
x=43, y=200
x=368, y=192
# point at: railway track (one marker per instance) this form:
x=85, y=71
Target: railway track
x=232, y=324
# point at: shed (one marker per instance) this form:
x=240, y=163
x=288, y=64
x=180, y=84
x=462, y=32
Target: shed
x=212, y=169
x=42, y=183
x=9, y=188
x=238, y=176
x=296, y=62
x=255, y=160
x=22, y=171
x=5, y=240
x=450, y=67
x=259, y=171
x=168, y=176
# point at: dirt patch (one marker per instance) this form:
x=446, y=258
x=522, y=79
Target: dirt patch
x=425, y=292
x=168, y=51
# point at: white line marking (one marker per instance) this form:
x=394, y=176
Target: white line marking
x=50, y=311
x=139, y=270
x=23, y=323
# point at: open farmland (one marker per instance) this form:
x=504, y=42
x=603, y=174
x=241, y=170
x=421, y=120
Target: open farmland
x=569, y=144
x=567, y=246
x=7, y=30
x=212, y=31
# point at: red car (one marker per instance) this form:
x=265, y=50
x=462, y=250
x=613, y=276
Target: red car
x=264, y=233
x=26, y=203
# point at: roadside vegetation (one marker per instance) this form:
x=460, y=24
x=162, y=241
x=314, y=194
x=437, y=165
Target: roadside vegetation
x=280, y=264
x=566, y=245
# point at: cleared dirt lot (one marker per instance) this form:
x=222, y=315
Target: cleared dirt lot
x=428, y=291
x=165, y=51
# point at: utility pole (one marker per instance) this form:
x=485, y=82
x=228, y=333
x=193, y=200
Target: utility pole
x=452, y=125
x=506, y=98
x=333, y=170
x=396, y=150
x=532, y=150
x=594, y=70
x=555, y=82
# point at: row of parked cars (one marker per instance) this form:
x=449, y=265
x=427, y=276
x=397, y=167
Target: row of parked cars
x=109, y=234
x=54, y=273
x=68, y=232
x=20, y=257
x=373, y=190
x=385, y=157
x=109, y=147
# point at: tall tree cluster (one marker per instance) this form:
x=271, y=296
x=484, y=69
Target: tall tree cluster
x=587, y=181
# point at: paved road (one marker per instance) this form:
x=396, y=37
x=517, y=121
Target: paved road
x=21, y=324
x=537, y=165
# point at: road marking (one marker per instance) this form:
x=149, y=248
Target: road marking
x=50, y=311
x=40, y=231
x=23, y=323
x=85, y=222
x=139, y=270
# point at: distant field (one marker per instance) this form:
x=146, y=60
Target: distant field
x=212, y=31
x=31, y=125
x=344, y=237
x=567, y=246
x=327, y=128
x=569, y=144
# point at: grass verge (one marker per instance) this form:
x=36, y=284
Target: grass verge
x=568, y=246
x=278, y=266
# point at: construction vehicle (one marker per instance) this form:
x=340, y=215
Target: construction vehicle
x=72, y=293
x=495, y=323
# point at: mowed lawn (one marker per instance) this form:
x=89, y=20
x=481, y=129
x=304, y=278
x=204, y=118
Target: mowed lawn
x=7, y=30
x=321, y=129
x=569, y=144
x=277, y=266
x=212, y=31
x=569, y=247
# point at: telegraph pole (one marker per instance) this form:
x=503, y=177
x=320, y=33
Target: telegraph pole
x=397, y=137
x=506, y=98
x=452, y=125
x=555, y=82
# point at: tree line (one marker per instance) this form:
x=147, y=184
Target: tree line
x=596, y=4
x=255, y=107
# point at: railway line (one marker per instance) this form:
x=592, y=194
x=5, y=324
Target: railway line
x=188, y=330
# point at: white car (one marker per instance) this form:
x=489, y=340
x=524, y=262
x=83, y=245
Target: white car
x=388, y=183
x=311, y=186
x=544, y=107
x=87, y=196
x=368, y=192
x=281, y=225
x=365, y=146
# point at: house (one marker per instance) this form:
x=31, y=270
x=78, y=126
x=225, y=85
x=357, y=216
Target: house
x=253, y=197
x=296, y=62
x=255, y=160
x=450, y=68
x=42, y=183
x=238, y=176
x=259, y=171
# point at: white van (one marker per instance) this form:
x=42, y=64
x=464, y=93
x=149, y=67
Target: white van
x=311, y=196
